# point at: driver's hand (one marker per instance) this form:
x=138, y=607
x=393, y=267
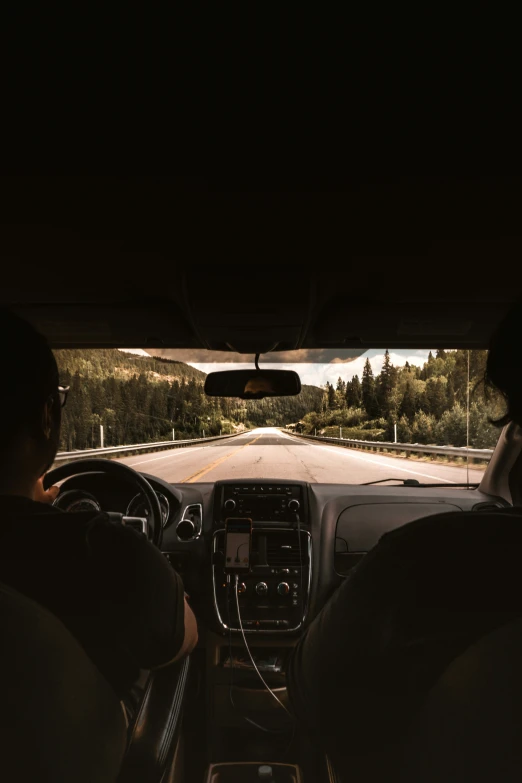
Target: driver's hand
x=42, y=495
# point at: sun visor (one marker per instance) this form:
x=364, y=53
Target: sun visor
x=110, y=325
x=407, y=324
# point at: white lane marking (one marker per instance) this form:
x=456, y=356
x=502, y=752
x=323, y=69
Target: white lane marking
x=166, y=456
x=333, y=449
x=294, y=440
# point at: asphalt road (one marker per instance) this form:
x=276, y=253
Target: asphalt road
x=269, y=453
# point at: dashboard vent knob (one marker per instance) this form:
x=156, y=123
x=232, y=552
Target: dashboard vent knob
x=186, y=529
x=191, y=523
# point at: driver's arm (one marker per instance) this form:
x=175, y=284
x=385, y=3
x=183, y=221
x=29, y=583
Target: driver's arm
x=190, y=639
x=141, y=595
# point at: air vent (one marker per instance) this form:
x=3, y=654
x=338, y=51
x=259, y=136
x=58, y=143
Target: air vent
x=191, y=523
x=491, y=505
x=283, y=549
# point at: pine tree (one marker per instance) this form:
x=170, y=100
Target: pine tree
x=340, y=393
x=369, y=398
x=385, y=385
x=436, y=396
x=460, y=376
x=408, y=406
x=450, y=393
x=331, y=400
x=354, y=393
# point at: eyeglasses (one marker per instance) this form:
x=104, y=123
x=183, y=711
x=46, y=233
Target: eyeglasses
x=63, y=391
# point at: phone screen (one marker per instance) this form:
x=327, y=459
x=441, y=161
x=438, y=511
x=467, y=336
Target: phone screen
x=237, y=545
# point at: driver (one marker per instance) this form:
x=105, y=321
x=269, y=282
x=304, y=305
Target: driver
x=111, y=588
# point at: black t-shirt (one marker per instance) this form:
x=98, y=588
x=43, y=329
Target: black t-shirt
x=111, y=588
x=425, y=593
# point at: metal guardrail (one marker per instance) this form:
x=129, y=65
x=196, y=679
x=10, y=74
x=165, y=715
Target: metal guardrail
x=418, y=448
x=64, y=456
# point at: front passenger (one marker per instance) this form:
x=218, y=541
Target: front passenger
x=419, y=599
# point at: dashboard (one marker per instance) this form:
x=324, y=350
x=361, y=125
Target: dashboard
x=306, y=538
x=80, y=499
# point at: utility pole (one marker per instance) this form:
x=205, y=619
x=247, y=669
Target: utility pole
x=395, y=430
x=101, y=436
x=340, y=433
x=173, y=435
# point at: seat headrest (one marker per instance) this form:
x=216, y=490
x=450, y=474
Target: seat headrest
x=470, y=727
x=61, y=720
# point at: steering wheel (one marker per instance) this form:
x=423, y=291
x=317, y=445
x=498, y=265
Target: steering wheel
x=121, y=471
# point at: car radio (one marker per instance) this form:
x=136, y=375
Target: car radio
x=267, y=501
x=273, y=595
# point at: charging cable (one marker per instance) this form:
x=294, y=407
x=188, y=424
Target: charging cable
x=234, y=705
x=250, y=654
x=245, y=543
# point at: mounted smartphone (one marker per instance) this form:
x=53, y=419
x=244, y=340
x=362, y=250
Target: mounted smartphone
x=238, y=543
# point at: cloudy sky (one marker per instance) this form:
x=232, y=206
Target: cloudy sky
x=315, y=367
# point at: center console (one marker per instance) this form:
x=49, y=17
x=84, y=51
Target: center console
x=273, y=595
x=252, y=772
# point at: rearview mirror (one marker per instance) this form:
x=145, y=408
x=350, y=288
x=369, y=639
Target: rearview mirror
x=252, y=384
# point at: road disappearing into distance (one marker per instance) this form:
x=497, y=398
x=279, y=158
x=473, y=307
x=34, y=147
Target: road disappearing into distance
x=269, y=453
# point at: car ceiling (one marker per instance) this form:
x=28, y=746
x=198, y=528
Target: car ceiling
x=180, y=263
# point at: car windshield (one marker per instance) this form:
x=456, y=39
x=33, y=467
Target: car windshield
x=362, y=416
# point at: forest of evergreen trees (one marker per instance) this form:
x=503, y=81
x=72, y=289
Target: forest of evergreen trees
x=428, y=403
x=141, y=400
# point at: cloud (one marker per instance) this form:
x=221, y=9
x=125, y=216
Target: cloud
x=315, y=366
x=318, y=373
x=310, y=355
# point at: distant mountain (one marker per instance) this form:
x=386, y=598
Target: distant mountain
x=140, y=399
x=105, y=362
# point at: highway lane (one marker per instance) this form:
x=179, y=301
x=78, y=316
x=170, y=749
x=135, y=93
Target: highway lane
x=269, y=453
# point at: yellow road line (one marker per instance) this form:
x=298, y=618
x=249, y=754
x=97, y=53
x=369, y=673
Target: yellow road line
x=203, y=471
